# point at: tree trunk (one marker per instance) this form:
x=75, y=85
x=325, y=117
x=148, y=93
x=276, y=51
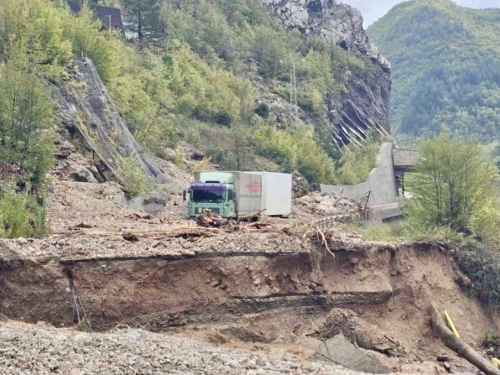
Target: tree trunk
x=461, y=348
x=139, y=25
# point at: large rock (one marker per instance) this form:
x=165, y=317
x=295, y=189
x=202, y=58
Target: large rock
x=365, y=105
x=82, y=174
x=340, y=351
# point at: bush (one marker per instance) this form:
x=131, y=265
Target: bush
x=26, y=124
x=223, y=118
x=203, y=165
x=84, y=33
x=133, y=178
x=295, y=151
x=277, y=145
x=222, y=157
x=356, y=163
x=22, y=215
x=262, y=110
x=482, y=266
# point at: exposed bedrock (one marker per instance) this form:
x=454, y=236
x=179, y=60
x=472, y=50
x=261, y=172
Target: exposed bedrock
x=365, y=105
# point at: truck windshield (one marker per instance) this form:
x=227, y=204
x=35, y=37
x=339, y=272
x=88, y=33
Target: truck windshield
x=208, y=196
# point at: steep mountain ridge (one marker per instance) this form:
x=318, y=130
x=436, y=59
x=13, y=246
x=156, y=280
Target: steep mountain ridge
x=365, y=104
x=446, y=67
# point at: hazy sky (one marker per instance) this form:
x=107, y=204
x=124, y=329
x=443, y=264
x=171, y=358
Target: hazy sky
x=372, y=10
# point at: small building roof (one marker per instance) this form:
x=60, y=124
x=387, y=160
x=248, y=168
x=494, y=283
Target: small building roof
x=105, y=14
x=108, y=14
x=75, y=6
x=404, y=159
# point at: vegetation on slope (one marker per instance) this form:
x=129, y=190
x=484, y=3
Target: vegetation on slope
x=445, y=65
x=185, y=79
x=191, y=76
x=198, y=67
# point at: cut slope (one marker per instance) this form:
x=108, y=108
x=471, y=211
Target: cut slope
x=85, y=104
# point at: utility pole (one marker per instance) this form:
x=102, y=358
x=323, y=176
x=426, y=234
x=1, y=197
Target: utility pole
x=293, y=88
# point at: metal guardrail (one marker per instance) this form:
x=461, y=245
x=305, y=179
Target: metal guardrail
x=328, y=222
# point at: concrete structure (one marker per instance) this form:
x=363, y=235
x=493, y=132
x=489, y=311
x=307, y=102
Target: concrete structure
x=381, y=189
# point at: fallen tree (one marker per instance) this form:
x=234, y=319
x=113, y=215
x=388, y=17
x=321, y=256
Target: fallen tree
x=453, y=342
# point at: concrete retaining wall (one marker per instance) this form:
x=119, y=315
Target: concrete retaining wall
x=381, y=183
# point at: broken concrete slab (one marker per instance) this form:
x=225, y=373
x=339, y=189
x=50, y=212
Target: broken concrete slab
x=340, y=351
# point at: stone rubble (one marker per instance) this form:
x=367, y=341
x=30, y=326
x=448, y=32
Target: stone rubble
x=42, y=350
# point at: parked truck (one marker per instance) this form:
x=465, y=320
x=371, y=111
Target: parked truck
x=236, y=194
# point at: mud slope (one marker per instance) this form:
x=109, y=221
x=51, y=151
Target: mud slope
x=377, y=292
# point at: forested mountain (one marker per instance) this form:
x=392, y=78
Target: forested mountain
x=446, y=67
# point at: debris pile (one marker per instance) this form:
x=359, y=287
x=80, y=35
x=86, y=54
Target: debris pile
x=323, y=204
x=42, y=350
x=250, y=223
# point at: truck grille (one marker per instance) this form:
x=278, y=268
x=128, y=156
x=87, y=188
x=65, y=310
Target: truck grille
x=214, y=210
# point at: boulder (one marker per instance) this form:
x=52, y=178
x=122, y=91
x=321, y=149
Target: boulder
x=95, y=172
x=82, y=174
x=342, y=352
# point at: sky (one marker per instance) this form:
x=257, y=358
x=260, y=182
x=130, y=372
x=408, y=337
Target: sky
x=372, y=10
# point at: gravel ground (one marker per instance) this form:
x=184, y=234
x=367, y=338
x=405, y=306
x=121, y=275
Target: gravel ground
x=28, y=349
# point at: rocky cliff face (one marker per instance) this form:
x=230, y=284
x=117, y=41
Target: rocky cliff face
x=365, y=106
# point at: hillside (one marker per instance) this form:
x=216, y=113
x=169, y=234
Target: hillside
x=446, y=67
x=217, y=76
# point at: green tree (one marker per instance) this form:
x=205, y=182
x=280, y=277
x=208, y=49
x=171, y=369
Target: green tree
x=26, y=118
x=143, y=17
x=454, y=186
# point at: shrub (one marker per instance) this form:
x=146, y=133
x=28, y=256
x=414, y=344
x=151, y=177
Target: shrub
x=26, y=124
x=202, y=165
x=312, y=161
x=84, y=33
x=295, y=151
x=356, y=163
x=222, y=157
x=44, y=39
x=132, y=176
x=277, y=145
x=223, y=118
x=262, y=110
x=179, y=158
x=482, y=266
x=22, y=215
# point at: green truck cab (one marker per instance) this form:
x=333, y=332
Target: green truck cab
x=216, y=193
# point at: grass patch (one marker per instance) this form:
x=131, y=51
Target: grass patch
x=401, y=230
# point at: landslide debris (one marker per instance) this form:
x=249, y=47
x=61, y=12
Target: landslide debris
x=322, y=204
x=45, y=350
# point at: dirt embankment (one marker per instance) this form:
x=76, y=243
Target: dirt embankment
x=377, y=295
